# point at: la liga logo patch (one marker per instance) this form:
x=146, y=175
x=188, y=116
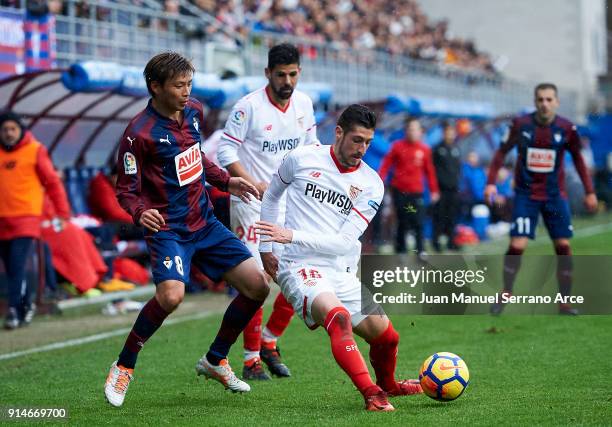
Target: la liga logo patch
x=129, y=164
x=238, y=117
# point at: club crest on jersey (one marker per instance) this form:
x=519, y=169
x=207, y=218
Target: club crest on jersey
x=196, y=124
x=168, y=262
x=557, y=137
x=189, y=165
x=354, y=192
x=238, y=117
x=129, y=164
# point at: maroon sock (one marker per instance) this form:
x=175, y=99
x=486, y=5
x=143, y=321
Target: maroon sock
x=238, y=314
x=512, y=264
x=564, y=269
x=149, y=320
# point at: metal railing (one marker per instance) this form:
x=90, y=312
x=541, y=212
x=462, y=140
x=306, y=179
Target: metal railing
x=360, y=75
x=132, y=35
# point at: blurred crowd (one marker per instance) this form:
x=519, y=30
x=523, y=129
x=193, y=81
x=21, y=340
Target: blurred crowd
x=397, y=27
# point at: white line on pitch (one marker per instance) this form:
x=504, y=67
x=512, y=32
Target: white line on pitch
x=97, y=337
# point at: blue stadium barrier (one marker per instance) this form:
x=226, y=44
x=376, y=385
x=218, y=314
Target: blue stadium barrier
x=76, y=183
x=93, y=76
x=439, y=107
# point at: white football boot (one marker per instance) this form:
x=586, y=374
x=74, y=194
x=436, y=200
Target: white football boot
x=117, y=384
x=222, y=373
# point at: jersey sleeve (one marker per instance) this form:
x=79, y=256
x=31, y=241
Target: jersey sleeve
x=286, y=170
x=272, y=196
x=52, y=183
x=132, y=151
x=387, y=162
x=507, y=144
x=573, y=143
x=310, y=125
x=235, y=133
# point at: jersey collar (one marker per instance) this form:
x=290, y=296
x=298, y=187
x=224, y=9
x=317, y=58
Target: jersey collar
x=341, y=168
x=278, y=107
x=156, y=114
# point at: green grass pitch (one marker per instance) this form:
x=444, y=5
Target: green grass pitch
x=524, y=370
x=547, y=369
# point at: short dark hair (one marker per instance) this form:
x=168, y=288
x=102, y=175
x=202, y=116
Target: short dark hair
x=447, y=124
x=543, y=86
x=356, y=115
x=283, y=54
x=410, y=119
x=164, y=66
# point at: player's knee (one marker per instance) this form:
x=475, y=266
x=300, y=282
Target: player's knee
x=339, y=318
x=391, y=336
x=515, y=248
x=259, y=288
x=563, y=248
x=171, y=299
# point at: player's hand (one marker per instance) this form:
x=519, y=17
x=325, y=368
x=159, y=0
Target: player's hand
x=435, y=197
x=152, y=220
x=261, y=187
x=270, y=263
x=490, y=193
x=242, y=188
x=273, y=232
x=590, y=202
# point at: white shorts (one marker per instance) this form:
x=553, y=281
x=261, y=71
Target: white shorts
x=242, y=222
x=302, y=283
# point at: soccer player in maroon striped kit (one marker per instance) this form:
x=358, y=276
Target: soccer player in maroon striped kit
x=541, y=139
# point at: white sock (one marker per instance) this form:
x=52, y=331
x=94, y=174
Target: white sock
x=268, y=336
x=248, y=355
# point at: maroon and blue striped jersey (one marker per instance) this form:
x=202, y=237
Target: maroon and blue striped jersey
x=161, y=166
x=539, y=171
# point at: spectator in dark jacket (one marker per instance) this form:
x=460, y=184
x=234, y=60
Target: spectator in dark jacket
x=447, y=161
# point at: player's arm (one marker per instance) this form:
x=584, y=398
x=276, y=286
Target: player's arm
x=236, y=186
x=270, y=202
x=129, y=169
x=432, y=180
x=498, y=161
x=334, y=244
x=270, y=212
x=590, y=199
x=132, y=150
x=387, y=162
x=234, y=134
x=311, y=128
x=51, y=182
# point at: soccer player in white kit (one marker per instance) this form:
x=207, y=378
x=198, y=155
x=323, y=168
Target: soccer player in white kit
x=331, y=198
x=261, y=129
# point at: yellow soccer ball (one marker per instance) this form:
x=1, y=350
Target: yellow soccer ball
x=444, y=376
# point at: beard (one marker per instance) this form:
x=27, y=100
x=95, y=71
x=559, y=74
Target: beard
x=283, y=92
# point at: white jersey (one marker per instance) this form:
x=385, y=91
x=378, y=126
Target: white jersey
x=258, y=133
x=321, y=196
